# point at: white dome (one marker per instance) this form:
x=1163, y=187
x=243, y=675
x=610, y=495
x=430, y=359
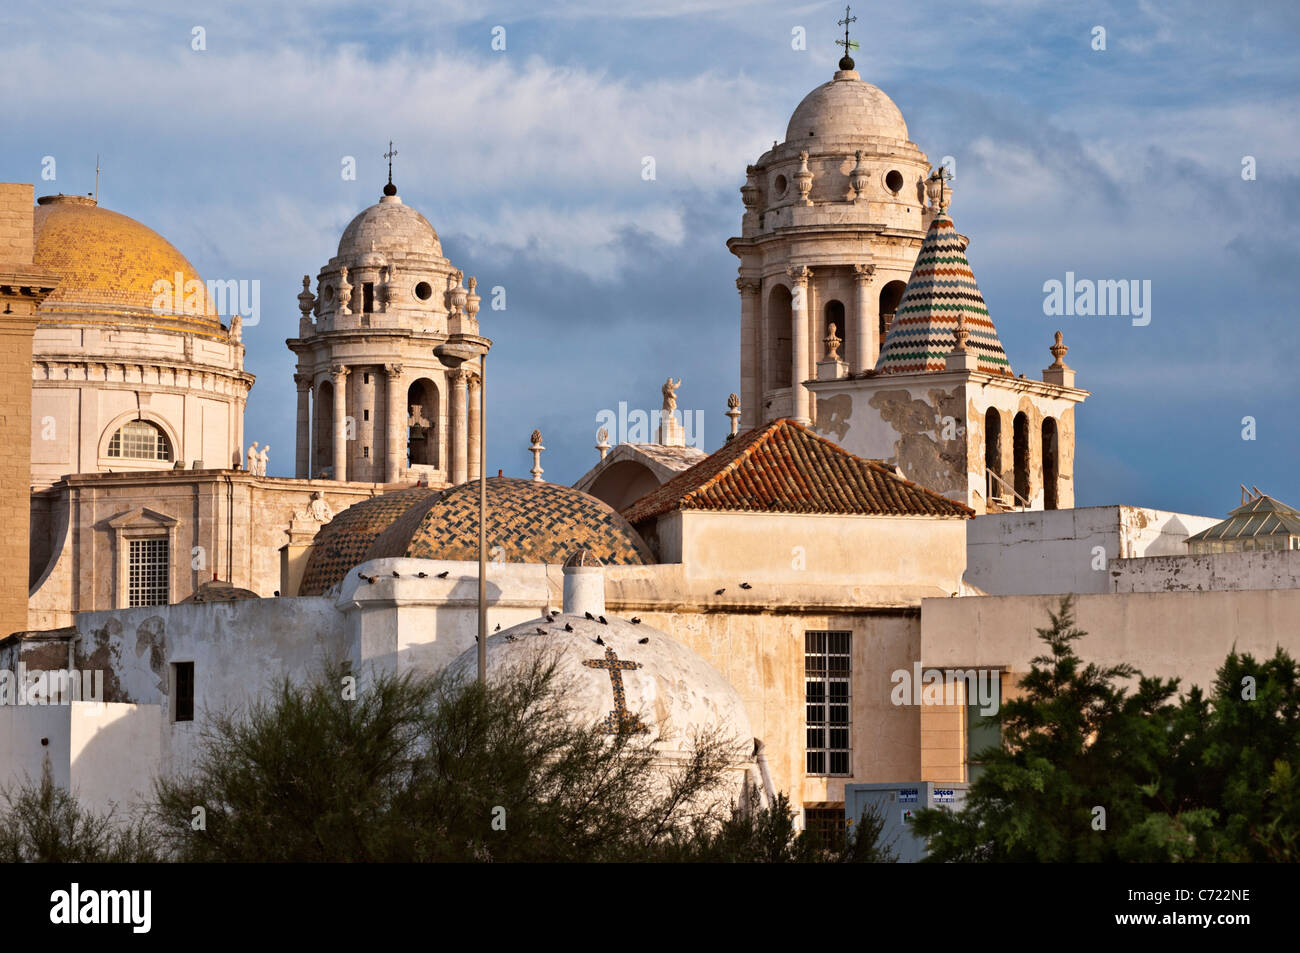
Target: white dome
x=845, y=108
x=670, y=688
x=389, y=227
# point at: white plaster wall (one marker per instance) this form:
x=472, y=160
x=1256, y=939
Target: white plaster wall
x=114, y=752
x=21, y=753
x=1046, y=551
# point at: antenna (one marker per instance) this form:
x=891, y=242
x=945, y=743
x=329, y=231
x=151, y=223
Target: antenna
x=96, y=178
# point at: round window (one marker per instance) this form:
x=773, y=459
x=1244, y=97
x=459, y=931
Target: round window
x=779, y=186
x=423, y=291
x=894, y=180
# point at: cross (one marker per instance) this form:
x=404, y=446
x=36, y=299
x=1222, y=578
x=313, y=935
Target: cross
x=942, y=175
x=620, y=719
x=389, y=156
x=849, y=46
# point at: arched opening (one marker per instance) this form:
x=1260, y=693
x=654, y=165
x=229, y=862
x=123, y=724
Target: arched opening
x=1020, y=455
x=890, y=296
x=993, y=449
x=623, y=483
x=422, y=423
x=139, y=440
x=323, y=456
x=780, y=320
x=833, y=313
x=1051, y=463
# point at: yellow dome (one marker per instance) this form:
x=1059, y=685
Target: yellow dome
x=111, y=267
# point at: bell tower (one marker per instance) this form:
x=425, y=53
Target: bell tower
x=388, y=356
x=834, y=217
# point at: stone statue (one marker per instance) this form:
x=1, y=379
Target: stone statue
x=236, y=327
x=318, y=509
x=670, y=394
x=261, y=460
x=252, y=458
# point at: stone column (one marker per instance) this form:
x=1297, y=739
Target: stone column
x=302, y=458
x=475, y=382
x=339, y=378
x=395, y=411
x=799, y=371
x=750, y=364
x=867, y=333
x=459, y=462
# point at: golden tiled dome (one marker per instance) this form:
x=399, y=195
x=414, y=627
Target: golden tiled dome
x=109, y=265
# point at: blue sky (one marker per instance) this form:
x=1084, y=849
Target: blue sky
x=1120, y=164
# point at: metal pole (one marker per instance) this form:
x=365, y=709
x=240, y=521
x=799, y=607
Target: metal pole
x=482, y=521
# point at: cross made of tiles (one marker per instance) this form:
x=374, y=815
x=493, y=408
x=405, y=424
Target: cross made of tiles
x=620, y=719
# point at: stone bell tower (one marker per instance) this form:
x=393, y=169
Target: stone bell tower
x=834, y=217
x=388, y=356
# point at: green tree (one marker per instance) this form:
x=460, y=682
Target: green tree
x=1081, y=772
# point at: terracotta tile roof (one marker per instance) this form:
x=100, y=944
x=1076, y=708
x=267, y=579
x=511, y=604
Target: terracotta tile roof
x=783, y=467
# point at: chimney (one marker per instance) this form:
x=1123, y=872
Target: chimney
x=584, y=584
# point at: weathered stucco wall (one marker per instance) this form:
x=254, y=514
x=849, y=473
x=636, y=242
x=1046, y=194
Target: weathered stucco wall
x=1057, y=550
x=1268, y=569
x=1171, y=634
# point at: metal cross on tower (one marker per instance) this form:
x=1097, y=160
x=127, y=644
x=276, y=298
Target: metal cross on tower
x=849, y=45
x=389, y=156
x=620, y=719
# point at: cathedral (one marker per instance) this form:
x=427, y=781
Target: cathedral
x=893, y=498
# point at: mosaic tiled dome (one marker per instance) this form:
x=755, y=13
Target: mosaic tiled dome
x=941, y=288
x=109, y=265
x=527, y=522
x=343, y=541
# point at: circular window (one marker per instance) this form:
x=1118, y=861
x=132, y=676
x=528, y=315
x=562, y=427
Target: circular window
x=423, y=291
x=894, y=180
x=779, y=185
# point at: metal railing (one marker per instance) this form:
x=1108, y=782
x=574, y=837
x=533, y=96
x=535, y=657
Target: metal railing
x=1020, y=501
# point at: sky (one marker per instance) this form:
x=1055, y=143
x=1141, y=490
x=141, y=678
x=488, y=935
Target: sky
x=1169, y=156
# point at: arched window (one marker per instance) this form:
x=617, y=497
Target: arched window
x=993, y=449
x=1020, y=455
x=890, y=296
x=323, y=418
x=834, y=314
x=780, y=318
x=140, y=440
x=1051, y=463
x=422, y=423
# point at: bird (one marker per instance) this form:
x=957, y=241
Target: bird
x=370, y=579
x=602, y=621
x=540, y=630
x=720, y=591
x=498, y=628
x=423, y=575
x=643, y=641
x=444, y=574
x=599, y=640
x=277, y=592
x=636, y=620
x=590, y=616
x=510, y=638
x=567, y=627
x=396, y=574
x=745, y=585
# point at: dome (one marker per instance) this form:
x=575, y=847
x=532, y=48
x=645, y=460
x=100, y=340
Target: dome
x=390, y=228
x=109, y=265
x=528, y=522
x=846, y=108
x=666, y=687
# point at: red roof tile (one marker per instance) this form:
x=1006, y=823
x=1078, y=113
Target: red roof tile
x=783, y=467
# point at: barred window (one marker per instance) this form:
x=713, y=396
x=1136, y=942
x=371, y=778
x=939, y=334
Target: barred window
x=148, y=568
x=826, y=697
x=826, y=823
x=139, y=440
